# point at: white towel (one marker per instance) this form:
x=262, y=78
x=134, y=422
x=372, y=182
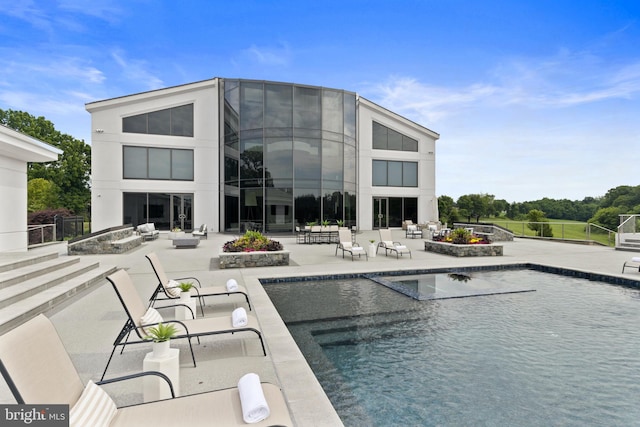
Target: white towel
x=254, y=405
x=635, y=259
x=239, y=317
x=401, y=247
x=232, y=285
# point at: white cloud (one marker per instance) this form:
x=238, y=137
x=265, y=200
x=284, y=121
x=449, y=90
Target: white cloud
x=271, y=56
x=137, y=71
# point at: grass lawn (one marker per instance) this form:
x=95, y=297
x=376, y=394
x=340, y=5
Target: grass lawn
x=562, y=229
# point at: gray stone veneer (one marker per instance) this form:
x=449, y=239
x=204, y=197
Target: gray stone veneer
x=462, y=250
x=112, y=242
x=253, y=259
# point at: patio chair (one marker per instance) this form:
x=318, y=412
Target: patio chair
x=386, y=242
x=201, y=232
x=136, y=309
x=347, y=245
x=172, y=292
x=413, y=231
x=39, y=371
x=632, y=263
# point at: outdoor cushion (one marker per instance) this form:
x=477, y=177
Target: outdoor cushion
x=173, y=289
x=150, y=317
x=94, y=408
x=143, y=228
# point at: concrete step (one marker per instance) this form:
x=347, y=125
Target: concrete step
x=12, y=262
x=24, y=309
x=21, y=274
x=39, y=283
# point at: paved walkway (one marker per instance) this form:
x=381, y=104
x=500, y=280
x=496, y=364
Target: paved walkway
x=89, y=324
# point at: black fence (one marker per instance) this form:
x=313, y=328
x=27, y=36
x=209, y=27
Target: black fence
x=63, y=228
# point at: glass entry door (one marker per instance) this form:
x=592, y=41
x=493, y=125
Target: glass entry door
x=380, y=212
x=182, y=211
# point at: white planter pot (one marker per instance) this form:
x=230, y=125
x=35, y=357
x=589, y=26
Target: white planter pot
x=372, y=250
x=161, y=349
x=185, y=297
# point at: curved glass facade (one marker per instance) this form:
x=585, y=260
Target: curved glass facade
x=289, y=156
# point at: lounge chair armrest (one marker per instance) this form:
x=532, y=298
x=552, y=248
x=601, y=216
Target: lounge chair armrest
x=175, y=305
x=138, y=375
x=189, y=278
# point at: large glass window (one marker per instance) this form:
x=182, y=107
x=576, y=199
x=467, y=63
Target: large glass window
x=157, y=163
x=307, y=110
x=286, y=148
x=389, y=139
x=164, y=210
x=278, y=112
x=251, y=102
x=176, y=121
x=387, y=173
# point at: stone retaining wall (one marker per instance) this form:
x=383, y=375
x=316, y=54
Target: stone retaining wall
x=497, y=234
x=462, y=250
x=104, y=243
x=253, y=259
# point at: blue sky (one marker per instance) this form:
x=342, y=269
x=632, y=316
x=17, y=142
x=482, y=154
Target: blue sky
x=532, y=99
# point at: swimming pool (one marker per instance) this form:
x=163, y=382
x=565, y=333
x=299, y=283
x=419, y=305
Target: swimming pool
x=566, y=354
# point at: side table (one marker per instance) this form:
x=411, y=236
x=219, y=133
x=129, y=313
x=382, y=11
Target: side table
x=155, y=388
x=182, y=312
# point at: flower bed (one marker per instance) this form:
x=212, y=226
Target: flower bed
x=252, y=241
x=252, y=250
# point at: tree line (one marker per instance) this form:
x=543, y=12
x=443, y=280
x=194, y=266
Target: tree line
x=603, y=211
x=62, y=185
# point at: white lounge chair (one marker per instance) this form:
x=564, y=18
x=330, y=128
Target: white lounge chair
x=346, y=244
x=39, y=371
x=632, y=263
x=389, y=245
x=413, y=231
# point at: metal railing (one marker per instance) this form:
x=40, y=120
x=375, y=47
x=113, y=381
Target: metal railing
x=561, y=231
x=41, y=233
x=628, y=228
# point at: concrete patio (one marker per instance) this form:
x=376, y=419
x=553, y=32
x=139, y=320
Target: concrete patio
x=89, y=323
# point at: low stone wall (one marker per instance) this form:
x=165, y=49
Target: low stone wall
x=253, y=259
x=462, y=250
x=496, y=234
x=110, y=242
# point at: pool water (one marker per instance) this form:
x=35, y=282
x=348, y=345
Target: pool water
x=567, y=354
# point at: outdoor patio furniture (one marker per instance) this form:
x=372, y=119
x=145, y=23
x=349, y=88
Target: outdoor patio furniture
x=389, y=245
x=413, y=231
x=148, y=231
x=632, y=263
x=137, y=310
x=346, y=245
x=39, y=371
x=201, y=232
x=170, y=292
x=186, y=242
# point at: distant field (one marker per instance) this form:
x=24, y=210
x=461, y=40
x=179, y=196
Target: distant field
x=562, y=229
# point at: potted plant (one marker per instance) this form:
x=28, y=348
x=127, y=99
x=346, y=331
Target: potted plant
x=372, y=248
x=340, y=222
x=161, y=334
x=185, y=291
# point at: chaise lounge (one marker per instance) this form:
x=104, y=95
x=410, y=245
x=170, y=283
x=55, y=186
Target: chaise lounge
x=389, y=245
x=168, y=286
x=139, y=317
x=39, y=371
x=347, y=245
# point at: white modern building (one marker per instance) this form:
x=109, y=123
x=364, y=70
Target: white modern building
x=17, y=150
x=244, y=154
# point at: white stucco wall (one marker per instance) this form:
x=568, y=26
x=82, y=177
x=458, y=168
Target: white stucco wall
x=13, y=215
x=16, y=150
x=108, y=139
x=369, y=112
